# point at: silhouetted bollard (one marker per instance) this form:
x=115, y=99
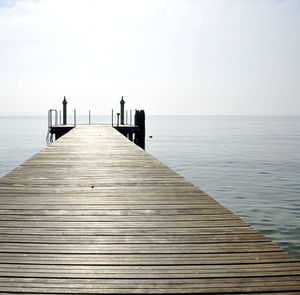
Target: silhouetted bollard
x=122, y=102
x=64, y=111
x=139, y=120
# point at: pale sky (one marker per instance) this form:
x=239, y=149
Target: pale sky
x=228, y=57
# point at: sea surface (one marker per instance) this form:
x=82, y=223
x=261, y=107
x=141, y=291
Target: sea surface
x=251, y=165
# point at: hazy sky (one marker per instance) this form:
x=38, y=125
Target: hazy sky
x=228, y=57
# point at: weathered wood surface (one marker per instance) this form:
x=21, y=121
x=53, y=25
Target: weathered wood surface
x=93, y=213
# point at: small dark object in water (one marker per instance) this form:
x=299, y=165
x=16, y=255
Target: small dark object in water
x=150, y=136
x=92, y=186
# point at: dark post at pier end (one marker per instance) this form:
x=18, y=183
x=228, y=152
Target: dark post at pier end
x=139, y=119
x=64, y=111
x=122, y=103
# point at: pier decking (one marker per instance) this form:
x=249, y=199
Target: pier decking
x=94, y=213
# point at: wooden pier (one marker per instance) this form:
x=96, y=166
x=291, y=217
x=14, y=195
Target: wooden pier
x=93, y=213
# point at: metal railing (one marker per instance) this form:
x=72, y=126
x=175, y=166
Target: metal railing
x=50, y=117
x=49, y=137
x=128, y=117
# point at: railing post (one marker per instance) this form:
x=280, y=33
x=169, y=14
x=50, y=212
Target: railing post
x=89, y=117
x=130, y=117
x=112, y=117
x=74, y=117
x=118, y=116
x=49, y=119
x=56, y=117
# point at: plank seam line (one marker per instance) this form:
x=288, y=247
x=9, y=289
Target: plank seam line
x=136, y=254
x=147, y=264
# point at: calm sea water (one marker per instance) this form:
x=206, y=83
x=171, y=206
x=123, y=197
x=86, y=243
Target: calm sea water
x=249, y=164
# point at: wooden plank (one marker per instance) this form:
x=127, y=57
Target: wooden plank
x=116, y=212
x=126, y=231
x=237, y=268
x=116, y=218
x=108, y=272
x=139, y=249
x=105, y=206
x=131, y=239
x=149, y=291
x=203, y=285
x=127, y=224
x=145, y=259
x=209, y=284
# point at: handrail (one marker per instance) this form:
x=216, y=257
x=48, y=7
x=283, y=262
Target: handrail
x=50, y=117
x=49, y=137
x=128, y=117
